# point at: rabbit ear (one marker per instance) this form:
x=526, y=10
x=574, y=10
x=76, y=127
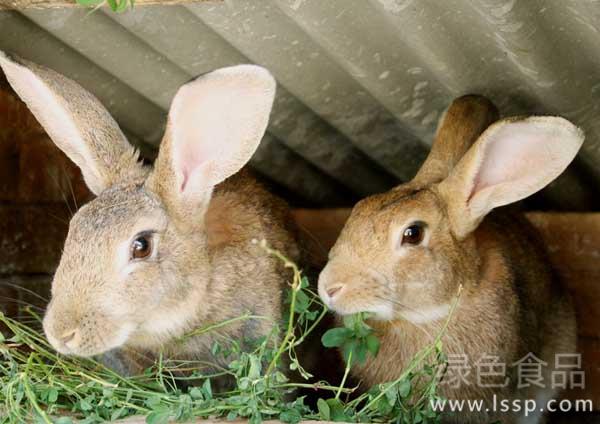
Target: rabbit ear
x=215, y=125
x=76, y=121
x=512, y=159
x=465, y=119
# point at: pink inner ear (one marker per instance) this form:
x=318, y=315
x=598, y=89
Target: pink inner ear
x=190, y=157
x=514, y=152
x=201, y=136
x=215, y=125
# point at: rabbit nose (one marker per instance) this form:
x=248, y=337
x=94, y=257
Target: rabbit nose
x=333, y=290
x=70, y=338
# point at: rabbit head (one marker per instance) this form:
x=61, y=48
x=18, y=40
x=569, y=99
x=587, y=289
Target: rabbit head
x=403, y=254
x=135, y=268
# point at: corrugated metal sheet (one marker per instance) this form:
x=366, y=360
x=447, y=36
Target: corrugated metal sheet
x=362, y=83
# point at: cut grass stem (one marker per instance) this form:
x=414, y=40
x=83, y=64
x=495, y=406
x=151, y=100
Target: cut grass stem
x=37, y=384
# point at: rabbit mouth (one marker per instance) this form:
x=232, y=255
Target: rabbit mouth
x=379, y=310
x=90, y=342
x=347, y=299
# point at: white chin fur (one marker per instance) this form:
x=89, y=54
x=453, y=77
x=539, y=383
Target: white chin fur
x=55, y=344
x=425, y=315
x=380, y=312
x=168, y=324
x=117, y=341
x=122, y=336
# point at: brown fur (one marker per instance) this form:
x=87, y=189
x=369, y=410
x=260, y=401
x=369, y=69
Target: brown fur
x=227, y=278
x=203, y=216
x=463, y=122
x=510, y=305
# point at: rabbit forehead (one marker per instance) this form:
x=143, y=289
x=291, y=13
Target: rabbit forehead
x=114, y=215
x=371, y=220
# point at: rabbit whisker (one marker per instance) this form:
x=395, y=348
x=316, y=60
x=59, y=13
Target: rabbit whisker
x=31, y=324
x=62, y=193
x=380, y=277
x=419, y=326
x=314, y=239
x=70, y=184
x=435, y=325
x=20, y=302
x=59, y=219
x=102, y=338
x=19, y=287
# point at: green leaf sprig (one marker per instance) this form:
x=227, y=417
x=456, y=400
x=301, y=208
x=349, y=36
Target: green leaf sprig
x=39, y=385
x=356, y=338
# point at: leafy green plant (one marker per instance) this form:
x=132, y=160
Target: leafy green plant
x=115, y=5
x=39, y=385
x=408, y=399
x=355, y=339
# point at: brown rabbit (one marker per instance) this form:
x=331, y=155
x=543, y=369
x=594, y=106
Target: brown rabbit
x=403, y=254
x=161, y=251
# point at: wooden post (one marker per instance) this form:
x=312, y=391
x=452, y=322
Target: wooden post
x=49, y=4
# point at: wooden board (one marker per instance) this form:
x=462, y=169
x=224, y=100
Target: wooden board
x=46, y=4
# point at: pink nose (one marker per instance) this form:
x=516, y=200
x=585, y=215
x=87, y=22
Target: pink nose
x=333, y=290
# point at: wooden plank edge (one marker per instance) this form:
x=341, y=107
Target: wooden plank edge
x=55, y=4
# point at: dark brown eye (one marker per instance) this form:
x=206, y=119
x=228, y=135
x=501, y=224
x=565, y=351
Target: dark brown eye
x=414, y=234
x=141, y=247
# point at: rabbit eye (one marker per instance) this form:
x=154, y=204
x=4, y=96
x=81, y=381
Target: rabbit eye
x=141, y=247
x=414, y=233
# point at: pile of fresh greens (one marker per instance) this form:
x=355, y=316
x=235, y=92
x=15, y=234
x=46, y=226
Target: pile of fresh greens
x=39, y=385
